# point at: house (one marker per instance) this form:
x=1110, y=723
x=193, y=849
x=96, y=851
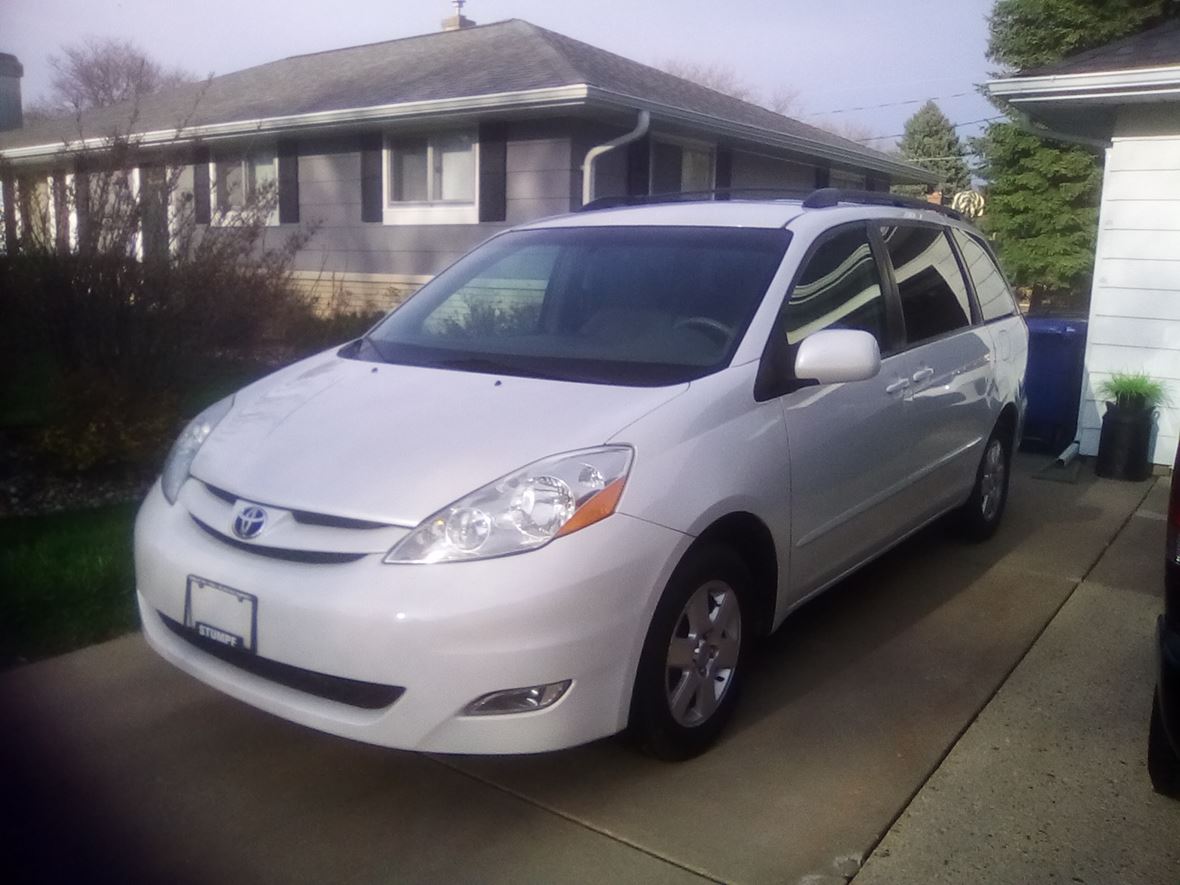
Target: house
x=409, y=152
x=1124, y=98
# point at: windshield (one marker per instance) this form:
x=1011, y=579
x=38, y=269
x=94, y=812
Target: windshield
x=622, y=305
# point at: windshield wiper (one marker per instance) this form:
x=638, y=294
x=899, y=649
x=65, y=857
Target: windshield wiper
x=486, y=365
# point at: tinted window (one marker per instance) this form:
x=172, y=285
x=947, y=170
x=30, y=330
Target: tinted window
x=600, y=304
x=933, y=294
x=991, y=289
x=838, y=288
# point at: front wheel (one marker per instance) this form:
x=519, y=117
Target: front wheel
x=980, y=517
x=692, y=663
x=1163, y=763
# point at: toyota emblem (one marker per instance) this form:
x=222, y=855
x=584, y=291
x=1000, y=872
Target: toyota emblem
x=249, y=522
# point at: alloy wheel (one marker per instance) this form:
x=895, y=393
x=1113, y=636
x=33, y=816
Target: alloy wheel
x=991, y=480
x=703, y=653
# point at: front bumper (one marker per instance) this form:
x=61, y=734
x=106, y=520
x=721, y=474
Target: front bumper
x=576, y=609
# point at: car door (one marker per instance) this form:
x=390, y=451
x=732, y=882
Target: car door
x=847, y=441
x=950, y=366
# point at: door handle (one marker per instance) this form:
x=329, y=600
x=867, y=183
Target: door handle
x=923, y=374
x=898, y=385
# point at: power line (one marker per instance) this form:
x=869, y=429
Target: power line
x=891, y=104
x=953, y=126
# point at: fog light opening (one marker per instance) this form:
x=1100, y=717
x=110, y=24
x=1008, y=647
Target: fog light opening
x=518, y=700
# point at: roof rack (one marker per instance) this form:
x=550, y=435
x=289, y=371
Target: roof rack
x=827, y=197
x=726, y=193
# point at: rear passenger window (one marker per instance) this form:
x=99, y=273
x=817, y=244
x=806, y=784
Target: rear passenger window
x=838, y=288
x=991, y=289
x=933, y=294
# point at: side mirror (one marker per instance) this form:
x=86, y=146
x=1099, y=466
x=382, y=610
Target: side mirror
x=833, y=356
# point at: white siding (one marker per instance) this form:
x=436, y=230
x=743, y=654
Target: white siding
x=1135, y=304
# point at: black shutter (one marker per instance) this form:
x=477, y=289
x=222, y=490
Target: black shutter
x=823, y=176
x=639, y=167
x=493, y=172
x=723, y=172
x=288, y=182
x=10, y=240
x=202, y=209
x=371, y=208
x=61, y=212
x=82, y=205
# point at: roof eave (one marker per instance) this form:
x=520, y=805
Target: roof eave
x=905, y=171
x=1094, y=87
x=534, y=99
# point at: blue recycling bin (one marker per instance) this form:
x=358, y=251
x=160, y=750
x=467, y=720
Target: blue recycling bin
x=1056, y=358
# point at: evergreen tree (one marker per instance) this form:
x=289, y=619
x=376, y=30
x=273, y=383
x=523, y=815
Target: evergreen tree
x=930, y=141
x=1043, y=195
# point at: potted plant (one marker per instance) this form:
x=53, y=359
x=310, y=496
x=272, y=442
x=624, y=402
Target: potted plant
x=1132, y=398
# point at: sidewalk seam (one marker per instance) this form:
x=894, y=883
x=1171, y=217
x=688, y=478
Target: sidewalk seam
x=577, y=821
x=1003, y=681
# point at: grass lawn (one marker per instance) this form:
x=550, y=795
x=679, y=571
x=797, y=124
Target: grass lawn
x=66, y=581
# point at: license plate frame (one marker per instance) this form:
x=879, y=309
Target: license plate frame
x=221, y=614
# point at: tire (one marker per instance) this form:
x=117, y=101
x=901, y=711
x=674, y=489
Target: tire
x=693, y=660
x=1163, y=764
x=979, y=518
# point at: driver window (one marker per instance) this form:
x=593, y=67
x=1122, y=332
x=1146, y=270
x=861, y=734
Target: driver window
x=838, y=288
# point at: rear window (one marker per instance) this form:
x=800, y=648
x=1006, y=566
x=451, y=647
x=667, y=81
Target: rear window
x=934, y=298
x=991, y=289
x=633, y=305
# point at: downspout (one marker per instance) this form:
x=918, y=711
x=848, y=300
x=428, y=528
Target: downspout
x=597, y=151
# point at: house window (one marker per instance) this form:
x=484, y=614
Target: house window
x=439, y=169
x=697, y=170
x=244, y=178
x=431, y=179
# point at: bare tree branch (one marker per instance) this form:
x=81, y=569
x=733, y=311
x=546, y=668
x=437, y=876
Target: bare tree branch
x=99, y=72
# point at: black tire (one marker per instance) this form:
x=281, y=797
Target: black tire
x=1163, y=764
x=662, y=727
x=979, y=518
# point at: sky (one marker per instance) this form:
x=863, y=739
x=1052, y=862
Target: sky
x=868, y=64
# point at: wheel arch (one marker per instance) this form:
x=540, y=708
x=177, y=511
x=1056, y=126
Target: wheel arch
x=752, y=540
x=1007, y=424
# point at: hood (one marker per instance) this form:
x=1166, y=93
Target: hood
x=396, y=443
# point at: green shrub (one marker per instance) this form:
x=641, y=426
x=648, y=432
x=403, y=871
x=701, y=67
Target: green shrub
x=131, y=316
x=103, y=423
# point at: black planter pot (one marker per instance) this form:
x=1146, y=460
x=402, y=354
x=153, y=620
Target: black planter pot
x=1122, y=448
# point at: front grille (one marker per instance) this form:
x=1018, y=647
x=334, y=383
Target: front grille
x=309, y=557
x=353, y=692
x=335, y=522
x=228, y=497
x=307, y=517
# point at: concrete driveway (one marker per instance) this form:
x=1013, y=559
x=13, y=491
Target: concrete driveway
x=124, y=768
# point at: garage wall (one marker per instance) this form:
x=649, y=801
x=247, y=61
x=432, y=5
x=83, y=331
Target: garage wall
x=1135, y=302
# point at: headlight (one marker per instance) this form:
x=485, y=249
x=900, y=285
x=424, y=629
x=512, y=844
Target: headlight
x=180, y=459
x=523, y=510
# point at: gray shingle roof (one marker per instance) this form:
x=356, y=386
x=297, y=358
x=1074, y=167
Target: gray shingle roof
x=507, y=56
x=1154, y=48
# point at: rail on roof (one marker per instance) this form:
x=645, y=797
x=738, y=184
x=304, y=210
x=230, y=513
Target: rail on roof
x=824, y=198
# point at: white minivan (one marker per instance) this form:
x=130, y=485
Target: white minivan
x=563, y=489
